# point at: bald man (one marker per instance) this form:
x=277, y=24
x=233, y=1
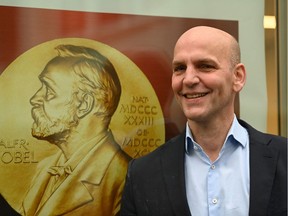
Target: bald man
x=219, y=165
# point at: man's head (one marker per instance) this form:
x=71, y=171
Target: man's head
x=207, y=73
x=78, y=83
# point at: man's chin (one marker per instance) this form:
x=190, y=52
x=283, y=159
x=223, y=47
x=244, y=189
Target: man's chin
x=54, y=138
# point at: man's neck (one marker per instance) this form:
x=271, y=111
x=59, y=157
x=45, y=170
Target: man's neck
x=77, y=139
x=211, y=135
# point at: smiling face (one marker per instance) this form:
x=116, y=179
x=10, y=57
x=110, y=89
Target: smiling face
x=205, y=79
x=54, y=105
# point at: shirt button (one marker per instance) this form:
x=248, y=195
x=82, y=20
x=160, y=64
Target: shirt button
x=195, y=148
x=213, y=167
x=214, y=201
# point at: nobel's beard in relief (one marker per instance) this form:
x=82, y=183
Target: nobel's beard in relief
x=53, y=130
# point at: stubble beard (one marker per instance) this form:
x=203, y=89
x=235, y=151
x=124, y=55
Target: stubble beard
x=52, y=130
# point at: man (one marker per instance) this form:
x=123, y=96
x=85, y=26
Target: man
x=6, y=209
x=80, y=93
x=219, y=165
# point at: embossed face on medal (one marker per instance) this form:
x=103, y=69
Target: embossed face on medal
x=48, y=99
x=54, y=104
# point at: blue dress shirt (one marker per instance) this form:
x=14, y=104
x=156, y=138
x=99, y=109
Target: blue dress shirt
x=219, y=188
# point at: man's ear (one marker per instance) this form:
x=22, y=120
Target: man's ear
x=85, y=106
x=239, y=77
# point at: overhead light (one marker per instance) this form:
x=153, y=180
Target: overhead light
x=269, y=22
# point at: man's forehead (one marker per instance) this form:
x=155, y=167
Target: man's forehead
x=205, y=35
x=57, y=74
x=203, y=42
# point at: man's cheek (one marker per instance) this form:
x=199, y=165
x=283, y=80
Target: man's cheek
x=55, y=112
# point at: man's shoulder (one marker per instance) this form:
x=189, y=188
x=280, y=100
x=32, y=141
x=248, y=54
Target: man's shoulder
x=121, y=159
x=168, y=148
x=270, y=140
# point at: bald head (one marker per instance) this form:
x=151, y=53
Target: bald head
x=207, y=75
x=209, y=36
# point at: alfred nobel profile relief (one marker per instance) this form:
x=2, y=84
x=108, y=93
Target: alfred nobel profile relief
x=73, y=113
x=72, y=109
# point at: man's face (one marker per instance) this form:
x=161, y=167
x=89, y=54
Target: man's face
x=202, y=78
x=53, y=105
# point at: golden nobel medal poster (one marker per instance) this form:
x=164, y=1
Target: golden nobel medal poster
x=74, y=112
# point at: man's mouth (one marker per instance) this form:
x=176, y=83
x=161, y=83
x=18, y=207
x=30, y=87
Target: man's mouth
x=193, y=96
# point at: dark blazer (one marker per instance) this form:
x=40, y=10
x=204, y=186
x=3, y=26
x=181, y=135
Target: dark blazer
x=6, y=209
x=155, y=183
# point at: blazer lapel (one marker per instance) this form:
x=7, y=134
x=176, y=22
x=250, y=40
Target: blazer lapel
x=33, y=197
x=263, y=161
x=66, y=198
x=173, y=172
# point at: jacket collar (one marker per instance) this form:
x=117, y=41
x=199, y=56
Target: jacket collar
x=263, y=162
x=174, y=177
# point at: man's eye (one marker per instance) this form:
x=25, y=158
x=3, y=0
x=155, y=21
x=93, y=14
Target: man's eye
x=206, y=67
x=179, y=68
x=49, y=94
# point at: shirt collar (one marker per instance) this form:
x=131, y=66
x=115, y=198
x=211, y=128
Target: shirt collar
x=189, y=140
x=236, y=131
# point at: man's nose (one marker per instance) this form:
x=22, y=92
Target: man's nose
x=191, y=76
x=37, y=98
